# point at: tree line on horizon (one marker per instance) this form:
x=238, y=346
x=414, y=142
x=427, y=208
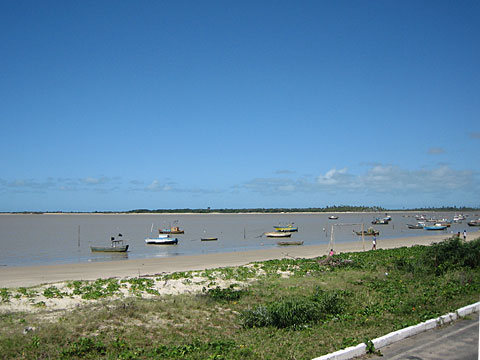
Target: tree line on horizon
x=334, y=208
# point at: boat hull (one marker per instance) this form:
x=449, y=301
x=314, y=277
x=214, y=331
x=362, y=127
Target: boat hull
x=278, y=234
x=209, y=239
x=161, y=241
x=435, y=227
x=109, y=248
x=285, y=228
x=367, y=233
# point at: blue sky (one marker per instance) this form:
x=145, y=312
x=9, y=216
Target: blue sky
x=118, y=105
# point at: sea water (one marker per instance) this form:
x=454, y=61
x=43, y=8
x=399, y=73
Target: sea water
x=45, y=239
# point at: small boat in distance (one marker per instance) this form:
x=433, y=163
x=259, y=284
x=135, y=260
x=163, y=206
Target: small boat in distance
x=474, y=222
x=277, y=234
x=369, y=232
x=378, y=221
x=333, y=217
x=286, y=228
x=171, y=230
x=415, y=226
x=209, y=239
x=286, y=243
x=435, y=227
x=161, y=240
x=115, y=246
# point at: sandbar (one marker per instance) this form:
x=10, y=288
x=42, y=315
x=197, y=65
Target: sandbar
x=37, y=275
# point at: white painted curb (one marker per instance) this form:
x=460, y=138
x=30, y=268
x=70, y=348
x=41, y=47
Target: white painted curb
x=398, y=335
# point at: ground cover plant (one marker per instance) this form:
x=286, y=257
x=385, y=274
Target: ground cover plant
x=279, y=309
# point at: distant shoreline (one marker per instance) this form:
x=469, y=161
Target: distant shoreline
x=237, y=213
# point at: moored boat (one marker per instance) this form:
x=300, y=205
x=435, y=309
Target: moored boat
x=286, y=228
x=209, y=239
x=474, y=223
x=369, y=232
x=435, y=227
x=115, y=246
x=161, y=240
x=415, y=226
x=277, y=234
x=171, y=230
x=378, y=221
x=333, y=217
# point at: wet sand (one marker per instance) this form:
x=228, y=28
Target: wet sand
x=36, y=275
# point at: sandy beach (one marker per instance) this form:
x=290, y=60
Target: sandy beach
x=36, y=275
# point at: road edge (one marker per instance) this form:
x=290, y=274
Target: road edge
x=361, y=349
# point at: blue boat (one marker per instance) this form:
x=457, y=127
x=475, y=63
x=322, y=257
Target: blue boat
x=435, y=227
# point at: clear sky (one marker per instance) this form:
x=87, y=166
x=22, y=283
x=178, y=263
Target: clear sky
x=119, y=105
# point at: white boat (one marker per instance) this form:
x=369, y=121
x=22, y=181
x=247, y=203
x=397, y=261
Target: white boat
x=278, y=234
x=333, y=217
x=162, y=239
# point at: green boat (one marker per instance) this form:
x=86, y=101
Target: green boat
x=115, y=246
x=369, y=232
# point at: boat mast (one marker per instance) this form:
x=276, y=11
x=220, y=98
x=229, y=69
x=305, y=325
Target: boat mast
x=331, y=238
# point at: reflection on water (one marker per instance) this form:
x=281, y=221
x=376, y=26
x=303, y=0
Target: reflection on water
x=56, y=239
x=99, y=256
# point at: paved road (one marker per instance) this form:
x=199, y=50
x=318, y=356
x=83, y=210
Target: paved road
x=457, y=341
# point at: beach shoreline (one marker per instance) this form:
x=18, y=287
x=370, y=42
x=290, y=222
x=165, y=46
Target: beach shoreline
x=45, y=274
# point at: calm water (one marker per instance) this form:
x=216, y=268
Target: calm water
x=53, y=239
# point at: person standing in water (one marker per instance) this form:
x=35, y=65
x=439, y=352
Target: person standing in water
x=374, y=243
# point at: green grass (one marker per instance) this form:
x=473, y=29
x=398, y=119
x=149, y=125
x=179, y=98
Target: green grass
x=325, y=305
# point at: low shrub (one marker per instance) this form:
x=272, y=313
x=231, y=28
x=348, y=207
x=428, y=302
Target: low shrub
x=295, y=312
x=452, y=253
x=227, y=294
x=83, y=347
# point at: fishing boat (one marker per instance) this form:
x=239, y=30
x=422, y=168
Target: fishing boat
x=285, y=243
x=474, y=223
x=383, y=221
x=115, y=246
x=369, y=232
x=171, y=230
x=209, y=239
x=162, y=239
x=333, y=217
x=286, y=228
x=415, y=226
x=277, y=234
x=435, y=227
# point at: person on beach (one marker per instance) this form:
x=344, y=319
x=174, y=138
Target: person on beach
x=374, y=243
x=331, y=252
x=464, y=234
